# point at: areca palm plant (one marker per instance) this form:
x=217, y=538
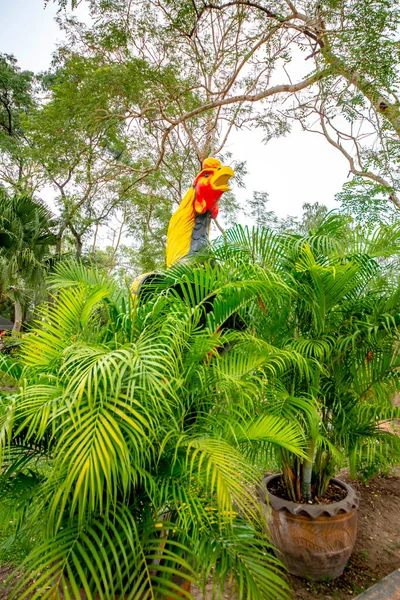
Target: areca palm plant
x=130, y=450
x=344, y=317
x=25, y=239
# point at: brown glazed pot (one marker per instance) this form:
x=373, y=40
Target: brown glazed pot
x=314, y=540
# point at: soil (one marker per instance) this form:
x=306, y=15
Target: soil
x=376, y=553
x=334, y=493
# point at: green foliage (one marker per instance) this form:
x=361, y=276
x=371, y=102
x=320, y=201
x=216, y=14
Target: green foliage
x=258, y=211
x=370, y=39
x=87, y=97
x=142, y=421
x=313, y=215
x=25, y=241
x=15, y=100
x=365, y=201
x=343, y=318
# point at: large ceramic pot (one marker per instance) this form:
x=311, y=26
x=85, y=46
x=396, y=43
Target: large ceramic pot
x=313, y=540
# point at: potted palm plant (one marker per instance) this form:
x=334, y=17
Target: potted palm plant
x=343, y=318
x=129, y=449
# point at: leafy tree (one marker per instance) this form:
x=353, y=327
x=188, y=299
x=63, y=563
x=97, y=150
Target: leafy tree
x=258, y=211
x=312, y=217
x=75, y=148
x=16, y=101
x=365, y=201
x=288, y=224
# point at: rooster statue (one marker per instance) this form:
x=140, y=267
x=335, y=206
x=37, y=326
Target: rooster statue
x=189, y=226
x=188, y=229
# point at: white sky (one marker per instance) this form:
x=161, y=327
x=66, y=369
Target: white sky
x=298, y=168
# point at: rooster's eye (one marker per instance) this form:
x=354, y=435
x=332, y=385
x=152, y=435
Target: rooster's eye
x=206, y=175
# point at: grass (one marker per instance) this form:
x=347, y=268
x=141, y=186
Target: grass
x=13, y=550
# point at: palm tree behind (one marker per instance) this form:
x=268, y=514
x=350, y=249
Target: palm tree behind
x=25, y=240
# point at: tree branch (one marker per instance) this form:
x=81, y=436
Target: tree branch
x=359, y=173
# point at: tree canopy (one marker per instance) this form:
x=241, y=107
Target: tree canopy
x=141, y=92
x=336, y=61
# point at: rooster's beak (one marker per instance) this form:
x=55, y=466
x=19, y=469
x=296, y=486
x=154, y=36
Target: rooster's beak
x=219, y=181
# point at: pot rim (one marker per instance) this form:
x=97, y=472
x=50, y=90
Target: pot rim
x=313, y=511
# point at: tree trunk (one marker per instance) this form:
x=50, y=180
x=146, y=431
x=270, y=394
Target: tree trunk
x=17, y=317
x=79, y=246
x=59, y=241
x=307, y=472
x=78, y=240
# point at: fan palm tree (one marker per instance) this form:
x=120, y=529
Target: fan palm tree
x=130, y=451
x=25, y=239
x=343, y=317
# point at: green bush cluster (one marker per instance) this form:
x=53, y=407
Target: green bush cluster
x=135, y=442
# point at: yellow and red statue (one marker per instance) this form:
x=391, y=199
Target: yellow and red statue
x=188, y=230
